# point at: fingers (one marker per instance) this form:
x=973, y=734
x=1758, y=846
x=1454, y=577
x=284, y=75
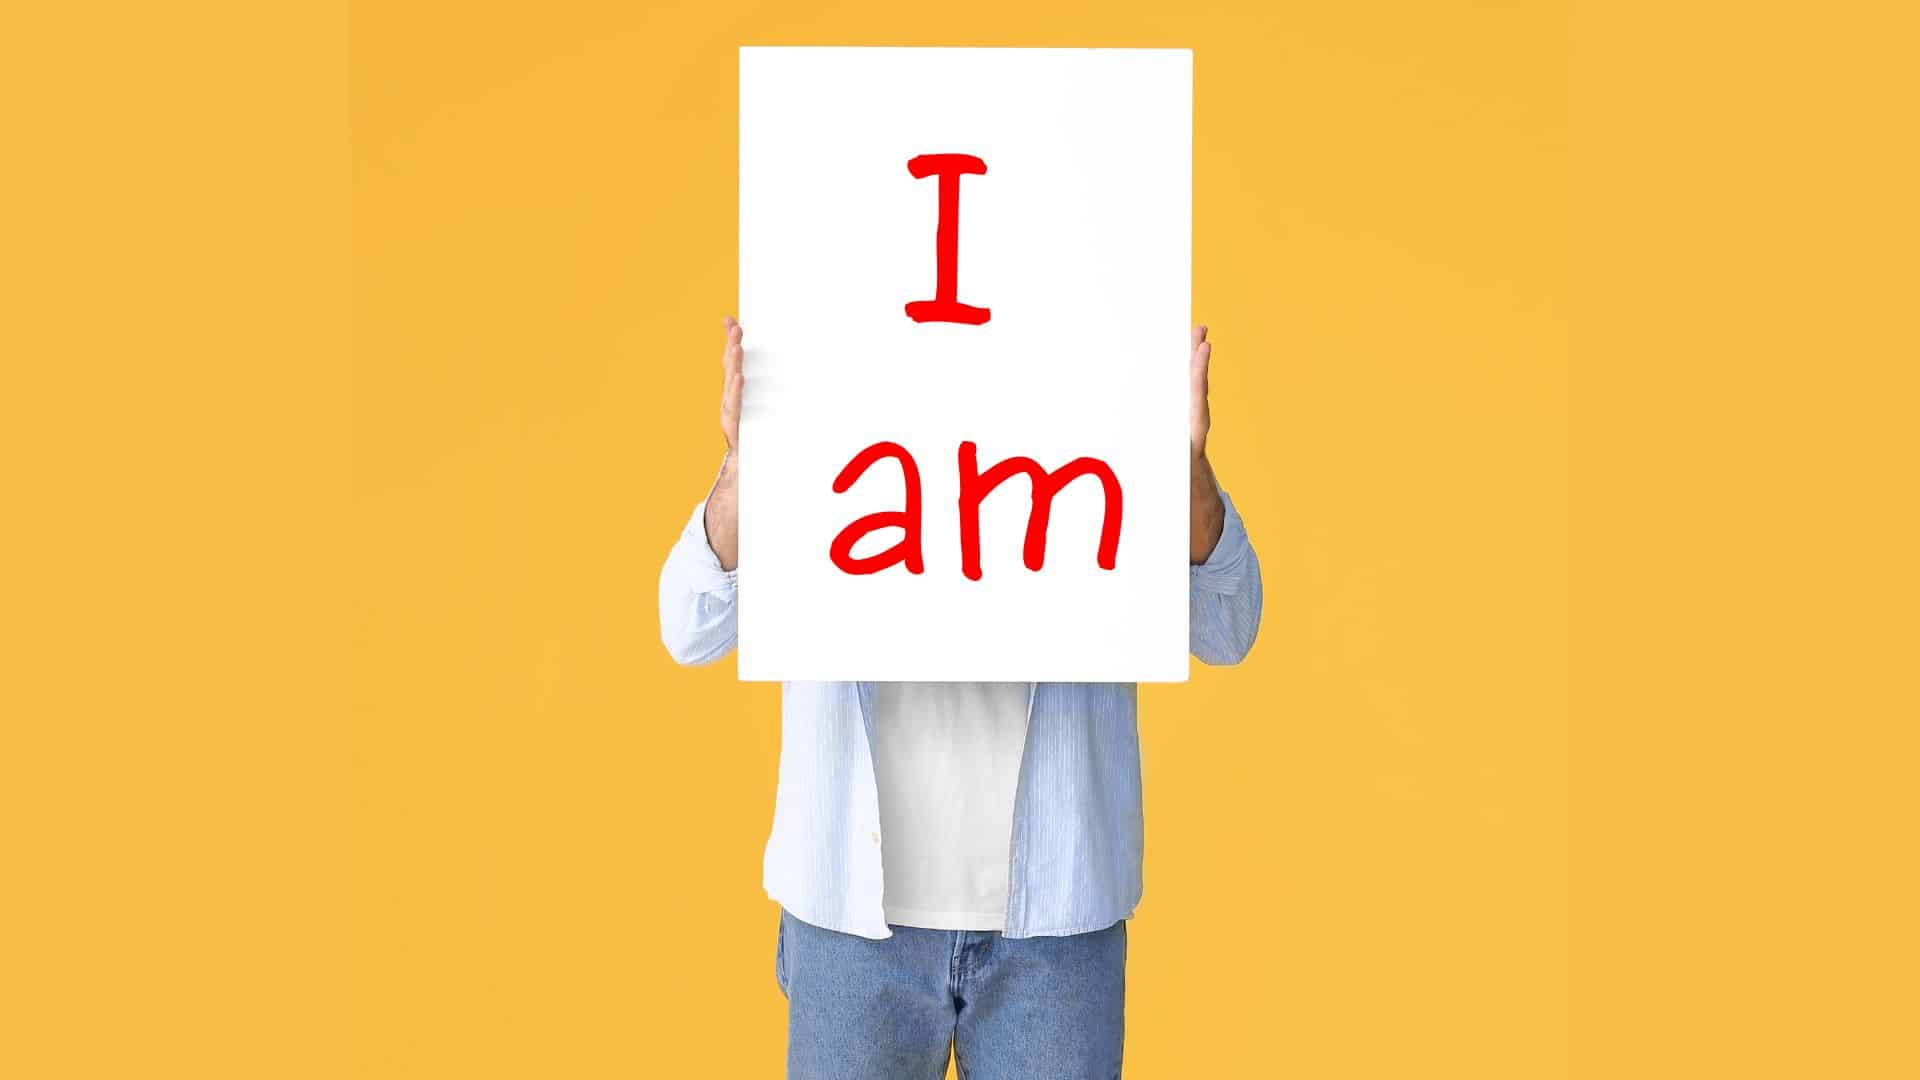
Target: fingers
x=732, y=381
x=735, y=333
x=732, y=353
x=1199, y=415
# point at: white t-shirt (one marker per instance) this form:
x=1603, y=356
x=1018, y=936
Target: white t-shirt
x=946, y=760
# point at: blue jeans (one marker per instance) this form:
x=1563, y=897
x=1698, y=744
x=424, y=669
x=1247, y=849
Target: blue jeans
x=1040, y=1008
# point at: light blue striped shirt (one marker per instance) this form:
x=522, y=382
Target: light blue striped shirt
x=1077, y=828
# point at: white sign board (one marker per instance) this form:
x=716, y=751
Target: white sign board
x=963, y=271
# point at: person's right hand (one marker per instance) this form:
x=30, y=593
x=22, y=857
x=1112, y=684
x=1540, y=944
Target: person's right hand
x=723, y=502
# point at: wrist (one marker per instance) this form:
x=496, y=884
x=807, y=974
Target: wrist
x=727, y=481
x=1203, y=485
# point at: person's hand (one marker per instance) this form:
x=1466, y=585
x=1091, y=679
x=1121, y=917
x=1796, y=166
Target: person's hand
x=723, y=502
x=731, y=382
x=1198, y=418
x=1208, y=514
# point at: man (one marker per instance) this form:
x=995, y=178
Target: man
x=1008, y=815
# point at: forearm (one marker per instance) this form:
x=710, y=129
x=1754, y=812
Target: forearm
x=1207, y=515
x=722, y=517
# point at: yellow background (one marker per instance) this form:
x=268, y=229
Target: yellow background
x=1361, y=828
x=359, y=370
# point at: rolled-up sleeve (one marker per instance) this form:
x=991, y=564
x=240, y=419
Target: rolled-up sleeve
x=699, y=601
x=1223, y=596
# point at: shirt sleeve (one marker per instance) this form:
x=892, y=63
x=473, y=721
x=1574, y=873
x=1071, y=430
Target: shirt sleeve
x=698, y=599
x=1224, y=597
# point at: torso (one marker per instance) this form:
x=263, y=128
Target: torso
x=947, y=766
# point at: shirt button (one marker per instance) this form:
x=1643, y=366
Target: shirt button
x=876, y=838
